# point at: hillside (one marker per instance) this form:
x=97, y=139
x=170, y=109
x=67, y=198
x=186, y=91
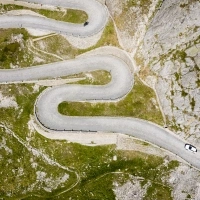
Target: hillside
x=160, y=42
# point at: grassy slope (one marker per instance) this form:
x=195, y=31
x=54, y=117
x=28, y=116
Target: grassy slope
x=20, y=158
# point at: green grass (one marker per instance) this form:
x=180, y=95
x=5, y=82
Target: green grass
x=9, y=52
x=73, y=16
x=6, y=34
x=136, y=104
x=13, y=52
x=17, y=121
x=180, y=55
x=157, y=191
x=25, y=98
x=131, y=3
x=15, y=182
x=142, y=4
x=173, y=164
x=99, y=77
x=192, y=103
x=183, y=93
x=69, y=15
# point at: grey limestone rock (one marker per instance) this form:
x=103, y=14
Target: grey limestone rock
x=171, y=48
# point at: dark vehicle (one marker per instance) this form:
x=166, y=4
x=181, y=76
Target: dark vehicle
x=190, y=148
x=86, y=23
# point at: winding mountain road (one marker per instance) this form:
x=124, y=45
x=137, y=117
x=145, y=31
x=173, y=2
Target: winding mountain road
x=46, y=111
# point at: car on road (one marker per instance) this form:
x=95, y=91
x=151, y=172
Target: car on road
x=86, y=23
x=190, y=148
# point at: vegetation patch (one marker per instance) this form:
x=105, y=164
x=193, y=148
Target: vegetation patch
x=192, y=103
x=180, y=55
x=177, y=76
x=183, y=93
x=69, y=15
x=142, y=4
x=13, y=49
x=25, y=98
x=183, y=5
x=24, y=174
x=98, y=77
x=158, y=191
x=198, y=82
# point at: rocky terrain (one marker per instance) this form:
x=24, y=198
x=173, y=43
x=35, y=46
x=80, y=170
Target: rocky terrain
x=171, y=50
x=166, y=39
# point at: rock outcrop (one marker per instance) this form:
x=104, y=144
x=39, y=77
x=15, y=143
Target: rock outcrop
x=171, y=49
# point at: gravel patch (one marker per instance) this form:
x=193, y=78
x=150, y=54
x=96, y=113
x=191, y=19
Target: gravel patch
x=6, y=102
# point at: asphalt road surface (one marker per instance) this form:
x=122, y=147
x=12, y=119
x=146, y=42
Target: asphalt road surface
x=46, y=111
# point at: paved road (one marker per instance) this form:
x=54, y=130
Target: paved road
x=46, y=105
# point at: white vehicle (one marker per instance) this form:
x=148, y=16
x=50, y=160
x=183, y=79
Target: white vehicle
x=190, y=147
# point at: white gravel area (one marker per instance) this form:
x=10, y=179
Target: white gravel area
x=38, y=32
x=6, y=102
